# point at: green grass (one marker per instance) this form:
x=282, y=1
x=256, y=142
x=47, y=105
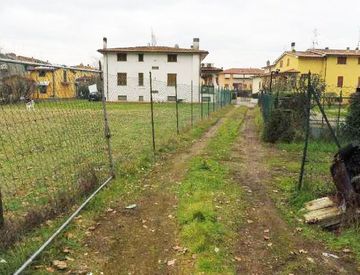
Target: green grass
x=317, y=183
x=127, y=185
x=210, y=203
x=333, y=110
x=44, y=152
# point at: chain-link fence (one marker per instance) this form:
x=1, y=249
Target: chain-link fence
x=56, y=147
x=316, y=123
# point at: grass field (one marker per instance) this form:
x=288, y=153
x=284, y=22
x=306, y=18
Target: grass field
x=59, y=149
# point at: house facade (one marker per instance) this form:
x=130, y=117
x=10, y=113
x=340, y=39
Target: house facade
x=238, y=79
x=339, y=69
x=59, y=82
x=127, y=72
x=210, y=75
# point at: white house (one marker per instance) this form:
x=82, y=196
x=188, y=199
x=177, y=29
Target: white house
x=257, y=84
x=127, y=72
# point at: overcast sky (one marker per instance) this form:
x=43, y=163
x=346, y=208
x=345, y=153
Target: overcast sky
x=236, y=33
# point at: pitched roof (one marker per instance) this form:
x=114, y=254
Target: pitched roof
x=153, y=49
x=252, y=71
x=345, y=52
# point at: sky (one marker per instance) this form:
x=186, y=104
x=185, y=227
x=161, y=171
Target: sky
x=236, y=33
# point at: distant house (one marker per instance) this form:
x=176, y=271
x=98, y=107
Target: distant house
x=210, y=74
x=239, y=79
x=126, y=72
x=339, y=69
x=50, y=82
x=58, y=82
x=9, y=69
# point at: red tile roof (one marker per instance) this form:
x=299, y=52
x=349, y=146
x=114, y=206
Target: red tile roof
x=335, y=52
x=252, y=71
x=153, y=49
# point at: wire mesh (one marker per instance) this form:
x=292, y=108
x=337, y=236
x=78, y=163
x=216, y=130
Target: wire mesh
x=54, y=146
x=53, y=151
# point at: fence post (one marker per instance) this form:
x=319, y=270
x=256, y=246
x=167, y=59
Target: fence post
x=208, y=113
x=177, y=110
x=201, y=103
x=213, y=99
x=107, y=131
x=339, y=113
x=191, y=106
x=307, y=132
x=1, y=212
x=152, y=115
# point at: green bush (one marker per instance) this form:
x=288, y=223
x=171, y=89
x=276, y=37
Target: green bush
x=279, y=127
x=352, y=124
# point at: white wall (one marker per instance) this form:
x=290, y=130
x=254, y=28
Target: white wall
x=255, y=85
x=187, y=69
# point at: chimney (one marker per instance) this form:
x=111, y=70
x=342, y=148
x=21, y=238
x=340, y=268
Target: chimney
x=104, y=43
x=326, y=48
x=196, y=43
x=268, y=63
x=348, y=48
x=293, y=46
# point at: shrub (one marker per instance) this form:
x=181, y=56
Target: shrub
x=352, y=124
x=14, y=88
x=279, y=127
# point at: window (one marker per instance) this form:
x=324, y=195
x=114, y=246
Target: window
x=250, y=86
x=340, y=81
x=171, y=98
x=172, y=57
x=288, y=62
x=42, y=89
x=121, y=57
x=141, y=98
x=358, y=82
x=122, y=97
x=141, y=57
x=341, y=60
x=171, y=79
x=155, y=67
x=245, y=86
x=121, y=79
x=281, y=63
x=64, y=76
x=42, y=73
x=141, y=79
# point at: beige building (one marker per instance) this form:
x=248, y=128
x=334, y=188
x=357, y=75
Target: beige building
x=238, y=79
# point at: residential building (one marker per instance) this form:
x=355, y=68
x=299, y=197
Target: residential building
x=238, y=79
x=339, y=69
x=127, y=72
x=210, y=74
x=257, y=84
x=51, y=82
x=54, y=82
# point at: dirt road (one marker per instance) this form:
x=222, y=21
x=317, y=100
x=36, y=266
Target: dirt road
x=141, y=240
x=266, y=243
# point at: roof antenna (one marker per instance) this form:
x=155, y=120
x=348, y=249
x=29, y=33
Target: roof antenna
x=315, y=41
x=153, y=38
